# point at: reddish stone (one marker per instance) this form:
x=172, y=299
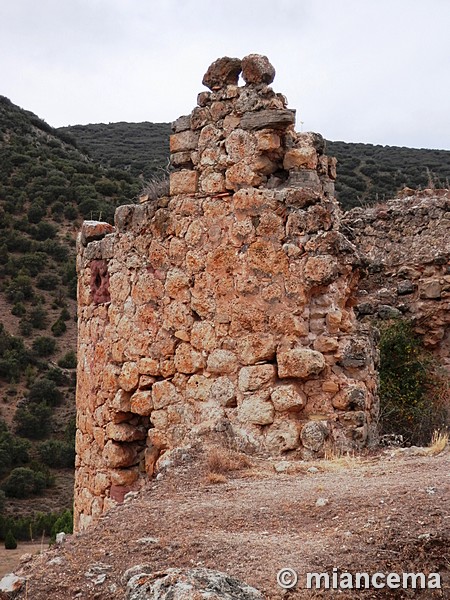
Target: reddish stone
x=222, y=72
x=99, y=282
x=256, y=68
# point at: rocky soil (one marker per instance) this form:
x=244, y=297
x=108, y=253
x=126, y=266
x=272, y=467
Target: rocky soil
x=388, y=513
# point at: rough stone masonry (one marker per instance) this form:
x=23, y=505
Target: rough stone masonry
x=224, y=307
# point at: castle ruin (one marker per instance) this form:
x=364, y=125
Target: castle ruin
x=226, y=306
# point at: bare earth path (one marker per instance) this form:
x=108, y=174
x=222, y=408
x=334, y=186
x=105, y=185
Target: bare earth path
x=388, y=514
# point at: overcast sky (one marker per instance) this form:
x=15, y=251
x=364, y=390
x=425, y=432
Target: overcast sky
x=374, y=71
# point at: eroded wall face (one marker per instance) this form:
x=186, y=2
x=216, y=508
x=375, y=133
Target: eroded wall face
x=406, y=243
x=226, y=307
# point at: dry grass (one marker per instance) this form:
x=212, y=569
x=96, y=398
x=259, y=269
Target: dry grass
x=155, y=188
x=439, y=441
x=220, y=460
x=215, y=478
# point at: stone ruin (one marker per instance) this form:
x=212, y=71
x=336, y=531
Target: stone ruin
x=406, y=245
x=226, y=308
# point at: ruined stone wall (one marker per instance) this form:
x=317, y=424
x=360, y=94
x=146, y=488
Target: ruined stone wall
x=406, y=243
x=225, y=307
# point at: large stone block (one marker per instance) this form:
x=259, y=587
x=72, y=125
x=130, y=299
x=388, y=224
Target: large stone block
x=198, y=388
x=321, y=270
x=256, y=68
x=268, y=119
x=253, y=378
x=117, y=455
x=253, y=348
x=282, y=436
x=124, y=432
x=141, y=402
x=222, y=361
x=187, y=359
x=183, y=182
x=300, y=362
x=256, y=409
x=223, y=391
x=313, y=435
x=129, y=376
x=222, y=72
x=183, y=141
x=164, y=393
x=298, y=158
x=287, y=398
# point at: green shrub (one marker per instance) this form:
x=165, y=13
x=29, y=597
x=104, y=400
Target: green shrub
x=23, y=482
x=20, y=288
x=63, y=524
x=70, y=212
x=44, y=231
x=33, y=420
x=25, y=327
x=412, y=390
x=44, y=346
x=57, y=454
x=57, y=376
x=14, y=357
x=35, y=213
x=10, y=541
x=45, y=390
x=18, y=310
x=65, y=314
x=68, y=361
x=59, y=327
x=38, y=318
x=32, y=526
x=47, y=281
x=13, y=450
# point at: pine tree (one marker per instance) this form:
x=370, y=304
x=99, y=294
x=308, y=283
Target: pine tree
x=10, y=541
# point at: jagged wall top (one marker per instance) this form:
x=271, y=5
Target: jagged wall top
x=244, y=136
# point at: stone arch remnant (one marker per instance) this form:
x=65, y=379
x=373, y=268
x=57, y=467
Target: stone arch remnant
x=227, y=304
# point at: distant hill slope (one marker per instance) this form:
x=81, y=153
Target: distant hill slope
x=47, y=187
x=141, y=148
x=366, y=173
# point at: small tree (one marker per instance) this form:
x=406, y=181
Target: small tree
x=68, y=361
x=63, y=524
x=44, y=346
x=59, y=327
x=45, y=390
x=10, y=541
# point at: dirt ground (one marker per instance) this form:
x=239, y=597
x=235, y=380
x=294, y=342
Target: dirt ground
x=10, y=558
x=385, y=513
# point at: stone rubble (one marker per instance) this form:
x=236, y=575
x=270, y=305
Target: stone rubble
x=226, y=306
x=193, y=584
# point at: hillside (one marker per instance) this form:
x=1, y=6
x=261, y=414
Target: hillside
x=47, y=188
x=366, y=173
x=140, y=148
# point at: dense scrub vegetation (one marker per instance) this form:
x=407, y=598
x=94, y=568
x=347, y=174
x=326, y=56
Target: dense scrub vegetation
x=47, y=187
x=413, y=392
x=366, y=173
x=141, y=148
x=34, y=527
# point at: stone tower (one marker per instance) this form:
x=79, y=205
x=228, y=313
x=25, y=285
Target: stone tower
x=226, y=306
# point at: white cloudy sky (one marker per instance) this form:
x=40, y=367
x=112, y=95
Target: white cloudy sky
x=373, y=71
